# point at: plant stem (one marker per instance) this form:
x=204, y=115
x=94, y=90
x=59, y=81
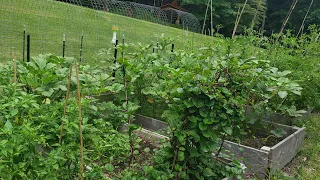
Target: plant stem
x=80, y=121
x=221, y=145
x=66, y=103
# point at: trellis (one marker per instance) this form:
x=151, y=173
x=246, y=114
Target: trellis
x=144, y=12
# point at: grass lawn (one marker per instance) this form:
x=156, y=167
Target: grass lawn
x=47, y=20
x=306, y=165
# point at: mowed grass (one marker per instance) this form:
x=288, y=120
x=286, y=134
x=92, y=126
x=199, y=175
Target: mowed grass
x=306, y=165
x=47, y=20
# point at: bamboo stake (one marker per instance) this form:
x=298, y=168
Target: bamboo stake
x=238, y=13
x=205, y=16
x=238, y=20
x=15, y=71
x=304, y=19
x=263, y=22
x=256, y=14
x=211, y=21
x=288, y=15
x=66, y=103
x=80, y=121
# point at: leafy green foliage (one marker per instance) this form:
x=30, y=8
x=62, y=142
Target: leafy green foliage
x=30, y=123
x=205, y=93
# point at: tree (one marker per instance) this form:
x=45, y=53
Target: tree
x=277, y=12
x=225, y=13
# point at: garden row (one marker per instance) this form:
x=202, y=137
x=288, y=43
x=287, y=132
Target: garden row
x=209, y=101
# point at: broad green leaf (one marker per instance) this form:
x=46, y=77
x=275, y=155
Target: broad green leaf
x=48, y=93
x=14, y=112
x=197, y=102
x=207, y=172
x=41, y=62
x=180, y=155
x=228, y=130
x=278, y=132
x=202, y=126
x=193, y=119
x=207, y=121
x=282, y=94
x=50, y=66
x=297, y=92
x=207, y=133
x=180, y=90
x=8, y=125
x=203, y=113
x=187, y=103
x=109, y=167
x=194, y=135
x=146, y=150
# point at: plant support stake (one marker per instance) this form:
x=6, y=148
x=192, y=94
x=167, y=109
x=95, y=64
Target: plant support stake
x=28, y=48
x=115, y=57
x=304, y=19
x=238, y=19
x=122, y=56
x=293, y=5
x=24, y=42
x=80, y=121
x=15, y=71
x=81, y=43
x=205, y=17
x=66, y=103
x=63, y=44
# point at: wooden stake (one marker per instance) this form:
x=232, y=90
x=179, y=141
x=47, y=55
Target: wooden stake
x=304, y=19
x=80, y=121
x=293, y=5
x=205, y=17
x=66, y=103
x=256, y=14
x=15, y=71
x=211, y=21
x=238, y=20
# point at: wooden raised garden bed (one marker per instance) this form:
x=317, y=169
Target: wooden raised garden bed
x=259, y=161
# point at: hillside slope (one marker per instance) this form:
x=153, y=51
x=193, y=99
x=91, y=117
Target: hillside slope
x=47, y=20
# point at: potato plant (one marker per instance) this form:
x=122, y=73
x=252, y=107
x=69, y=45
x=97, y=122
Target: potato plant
x=204, y=92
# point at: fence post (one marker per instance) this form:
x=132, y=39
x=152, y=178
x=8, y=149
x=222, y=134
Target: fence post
x=63, y=44
x=24, y=42
x=115, y=57
x=81, y=44
x=28, y=48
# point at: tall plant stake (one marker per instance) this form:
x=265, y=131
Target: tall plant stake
x=238, y=19
x=256, y=14
x=24, y=42
x=211, y=20
x=81, y=44
x=66, y=104
x=304, y=19
x=80, y=121
x=63, y=44
x=293, y=5
x=205, y=17
x=15, y=71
